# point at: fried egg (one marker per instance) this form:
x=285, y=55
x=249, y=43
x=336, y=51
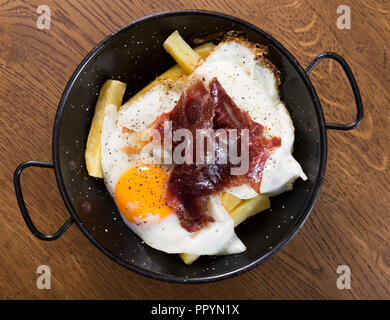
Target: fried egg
x=137, y=182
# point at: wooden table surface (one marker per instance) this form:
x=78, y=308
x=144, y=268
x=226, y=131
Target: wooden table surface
x=350, y=224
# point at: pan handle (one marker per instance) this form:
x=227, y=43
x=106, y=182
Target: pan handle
x=352, y=81
x=22, y=205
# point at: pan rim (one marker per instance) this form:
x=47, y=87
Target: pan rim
x=306, y=210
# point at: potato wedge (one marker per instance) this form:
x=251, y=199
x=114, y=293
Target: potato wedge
x=173, y=72
x=111, y=93
x=183, y=54
x=229, y=201
x=242, y=211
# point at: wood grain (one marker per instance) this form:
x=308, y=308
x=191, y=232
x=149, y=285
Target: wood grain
x=350, y=223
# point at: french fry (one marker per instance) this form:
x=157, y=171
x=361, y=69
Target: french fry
x=183, y=54
x=188, y=259
x=204, y=49
x=229, y=201
x=111, y=93
x=250, y=207
x=173, y=72
x=242, y=211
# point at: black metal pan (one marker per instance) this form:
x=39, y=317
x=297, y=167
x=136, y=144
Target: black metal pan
x=134, y=54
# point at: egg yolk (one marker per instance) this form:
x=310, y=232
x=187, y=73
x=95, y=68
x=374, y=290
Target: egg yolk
x=139, y=194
